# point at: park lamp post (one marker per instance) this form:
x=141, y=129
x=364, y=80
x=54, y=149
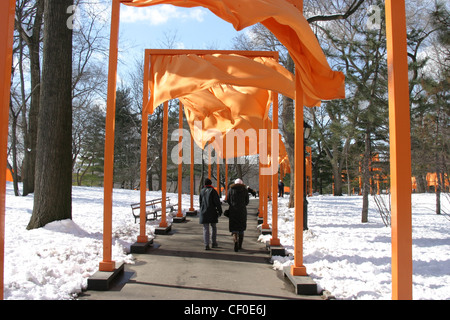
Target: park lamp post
x=306, y=134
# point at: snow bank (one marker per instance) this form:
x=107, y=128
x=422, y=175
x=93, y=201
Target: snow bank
x=344, y=256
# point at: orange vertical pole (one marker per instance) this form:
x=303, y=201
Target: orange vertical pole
x=298, y=269
x=226, y=165
x=260, y=183
x=274, y=241
x=180, y=159
x=259, y=179
x=265, y=225
x=163, y=222
x=400, y=150
x=107, y=264
x=209, y=161
x=310, y=173
x=180, y=155
x=7, y=14
x=226, y=178
x=218, y=176
x=192, y=174
x=263, y=195
x=281, y=173
x=143, y=238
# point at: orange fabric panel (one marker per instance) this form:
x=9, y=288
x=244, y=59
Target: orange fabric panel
x=174, y=76
x=225, y=107
x=242, y=138
x=9, y=176
x=289, y=25
x=221, y=107
x=431, y=179
x=229, y=102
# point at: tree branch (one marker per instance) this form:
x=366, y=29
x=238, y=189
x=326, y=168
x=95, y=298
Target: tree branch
x=339, y=16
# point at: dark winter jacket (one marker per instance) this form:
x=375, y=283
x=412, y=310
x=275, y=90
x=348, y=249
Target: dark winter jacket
x=210, y=206
x=238, y=200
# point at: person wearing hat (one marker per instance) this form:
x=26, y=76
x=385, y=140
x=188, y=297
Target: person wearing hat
x=210, y=211
x=238, y=200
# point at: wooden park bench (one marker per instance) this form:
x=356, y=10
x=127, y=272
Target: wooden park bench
x=152, y=212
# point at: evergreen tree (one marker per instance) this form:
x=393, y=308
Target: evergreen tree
x=126, y=141
x=429, y=94
x=88, y=162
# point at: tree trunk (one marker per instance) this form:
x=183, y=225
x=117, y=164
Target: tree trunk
x=53, y=179
x=288, y=130
x=202, y=174
x=421, y=183
x=438, y=183
x=337, y=175
x=239, y=170
x=150, y=181
x=14, y=152
x=30, y=129
x=366, y=178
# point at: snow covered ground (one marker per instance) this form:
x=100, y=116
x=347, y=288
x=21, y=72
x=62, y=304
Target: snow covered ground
x=344, y=256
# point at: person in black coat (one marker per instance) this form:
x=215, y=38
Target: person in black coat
x=281, y=188
x=210, y=211
x=238, y=200
x=253, y=192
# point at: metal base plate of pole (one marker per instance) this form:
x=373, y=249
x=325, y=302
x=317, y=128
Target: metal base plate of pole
x=304, y=285
x=163, y=230
x=101, y=280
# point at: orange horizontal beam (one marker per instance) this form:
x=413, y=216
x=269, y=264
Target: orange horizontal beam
x=247, y=53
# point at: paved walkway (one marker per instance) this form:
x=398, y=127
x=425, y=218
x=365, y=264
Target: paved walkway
x=178, y=267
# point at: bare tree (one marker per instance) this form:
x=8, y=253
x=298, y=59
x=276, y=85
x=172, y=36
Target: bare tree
x=53, y=184
x=262, y=39
x=29, y=20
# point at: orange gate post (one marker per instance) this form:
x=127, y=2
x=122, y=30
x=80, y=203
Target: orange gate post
x=209, y=161
x=264, y=198
x=274, y=241
x=218, y=175
x=143, y=238
x=192, y=211
x=298, y=269
x=107, y=264
x=226, y=165
x=180, y=159
x=7, y=13
x=400, y=149
x=163, y=223
x=260, y=183
x=265, y=178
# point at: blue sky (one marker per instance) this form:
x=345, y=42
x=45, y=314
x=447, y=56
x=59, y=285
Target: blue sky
x=150, y=27
x=192, y=28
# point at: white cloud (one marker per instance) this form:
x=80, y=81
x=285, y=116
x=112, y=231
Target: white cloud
x=180, y=45
x=160, y=14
